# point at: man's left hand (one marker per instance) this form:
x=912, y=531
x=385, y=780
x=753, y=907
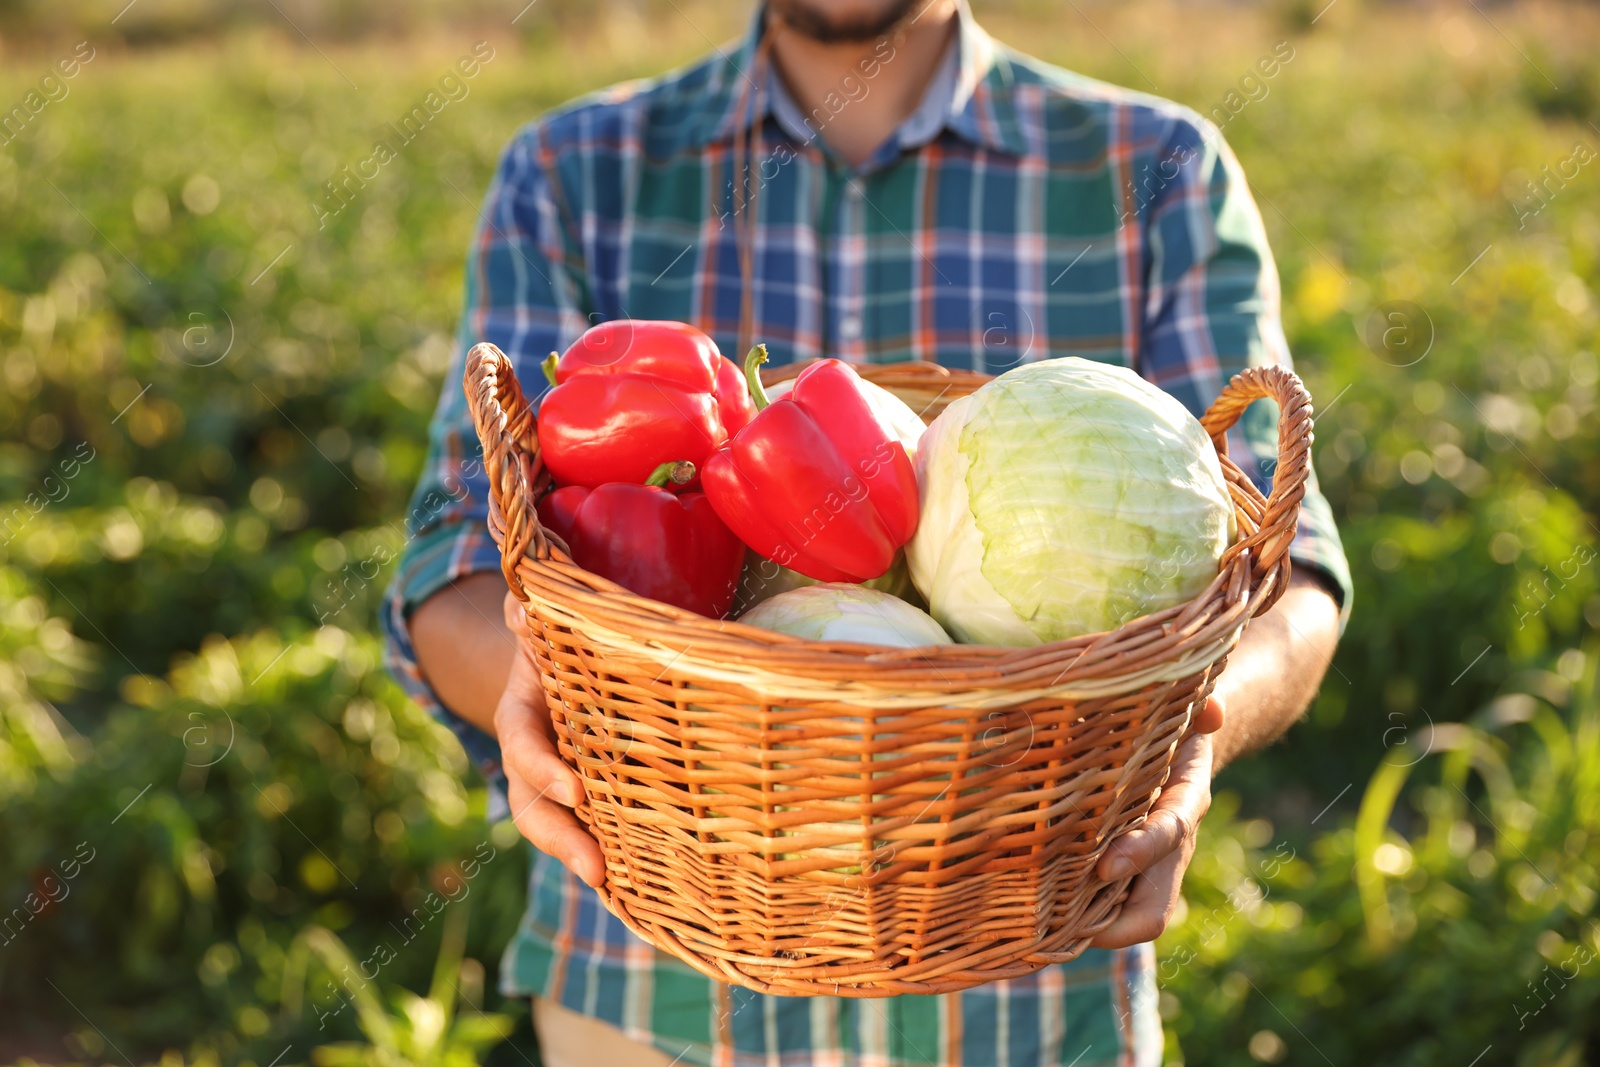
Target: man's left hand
x=1270, y=681
x=1159, y=849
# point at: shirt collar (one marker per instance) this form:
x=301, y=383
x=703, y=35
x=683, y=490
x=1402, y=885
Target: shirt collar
x=970, y=95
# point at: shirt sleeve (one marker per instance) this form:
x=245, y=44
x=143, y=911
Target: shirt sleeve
x=1212, y=309
x=524, y=289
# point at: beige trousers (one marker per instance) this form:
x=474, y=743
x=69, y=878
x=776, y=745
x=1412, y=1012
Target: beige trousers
x=571, y=1039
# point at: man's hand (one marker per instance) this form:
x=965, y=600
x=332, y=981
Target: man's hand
x=1270, y=680
x=542, y=789
x=1159, y=849
x=467, y=646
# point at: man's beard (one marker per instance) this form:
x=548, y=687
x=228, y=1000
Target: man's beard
x=807, y=19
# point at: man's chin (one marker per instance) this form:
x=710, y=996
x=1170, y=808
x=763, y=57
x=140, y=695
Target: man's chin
x=835, y=22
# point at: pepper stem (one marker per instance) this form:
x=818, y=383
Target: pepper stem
x=549, y=367
x=752, y=375
x=676, y=471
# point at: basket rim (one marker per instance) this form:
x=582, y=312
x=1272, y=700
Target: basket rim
x=1245, y=577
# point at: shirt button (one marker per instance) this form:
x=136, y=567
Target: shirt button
x=850, y=327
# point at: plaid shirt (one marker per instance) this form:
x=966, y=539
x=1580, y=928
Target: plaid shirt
x=1022, y=213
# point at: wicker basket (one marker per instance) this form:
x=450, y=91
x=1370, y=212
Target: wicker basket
x=843, y=819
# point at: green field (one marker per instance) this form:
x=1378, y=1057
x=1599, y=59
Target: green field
x=215, y=392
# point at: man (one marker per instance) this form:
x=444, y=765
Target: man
x=895, y=186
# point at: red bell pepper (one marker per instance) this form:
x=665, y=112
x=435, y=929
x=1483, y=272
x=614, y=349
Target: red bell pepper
x=669, y=548
x=630, y=395
x=816, y=482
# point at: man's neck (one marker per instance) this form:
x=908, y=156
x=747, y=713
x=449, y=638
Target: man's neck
x=857, y=93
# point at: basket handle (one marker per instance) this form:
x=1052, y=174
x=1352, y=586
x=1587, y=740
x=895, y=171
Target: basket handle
x=1270, y=542
x=505, y=423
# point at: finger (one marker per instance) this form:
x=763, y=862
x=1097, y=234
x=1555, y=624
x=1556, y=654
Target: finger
x=1211, y=716
x=526, y=753
x=556, y=831
x=1173, y=822
x=1163, y=834
x=1149, y=907
x=527, y=740
x=512, y=609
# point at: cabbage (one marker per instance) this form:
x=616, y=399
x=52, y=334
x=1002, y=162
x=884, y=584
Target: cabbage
x=1065, y=497
x=764, y=579
x=894, y=412
x=837, y=611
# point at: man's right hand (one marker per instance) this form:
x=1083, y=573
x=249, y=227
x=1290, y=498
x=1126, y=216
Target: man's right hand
x=542, y=789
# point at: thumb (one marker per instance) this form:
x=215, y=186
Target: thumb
x=1210, y=717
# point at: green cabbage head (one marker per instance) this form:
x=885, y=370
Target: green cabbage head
x=763, y=579
x=838, y=611
x=1065, y=497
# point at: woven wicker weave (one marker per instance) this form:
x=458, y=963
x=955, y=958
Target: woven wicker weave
x=845, y=819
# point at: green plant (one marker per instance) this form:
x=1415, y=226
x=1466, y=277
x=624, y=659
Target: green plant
x=261, y=786
x=40, y=659
x=1461, y=924
x=410, y=1030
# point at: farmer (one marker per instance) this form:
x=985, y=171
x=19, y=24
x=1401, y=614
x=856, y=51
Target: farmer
x=873, y=180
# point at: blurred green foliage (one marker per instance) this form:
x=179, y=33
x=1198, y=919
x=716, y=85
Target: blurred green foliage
x=1472, y=929
x=213, y=410
x=259, y=786
x=423, y=1031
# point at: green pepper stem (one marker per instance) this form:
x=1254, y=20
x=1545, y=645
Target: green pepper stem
x=752, y=375
x=676, y=471
x=549, y=367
